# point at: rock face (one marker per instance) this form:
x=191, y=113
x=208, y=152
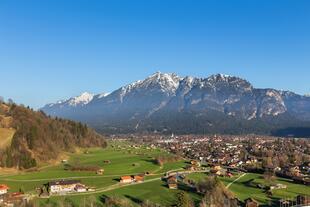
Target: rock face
x=162, y=100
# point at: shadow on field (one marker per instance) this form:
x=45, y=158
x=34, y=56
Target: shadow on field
x=133, y=199
x=273, y=203
x=186, y=188
x=117, y=179
x=153, y=161
x=103, y=198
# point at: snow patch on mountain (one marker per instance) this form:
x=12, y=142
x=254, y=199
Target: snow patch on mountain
x=82, y=99
x=102, y=95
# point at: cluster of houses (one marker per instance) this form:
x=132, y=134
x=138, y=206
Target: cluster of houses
x=11, y=199
x=63, y=187
x=131, y=179
x=173, y=179
x=244, y=153
x=60, y=187
x=299, y=201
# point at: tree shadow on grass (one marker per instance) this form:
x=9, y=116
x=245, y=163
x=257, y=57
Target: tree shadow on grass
x=273, y=203
x=133, y=199
x=153, y=161
x=117, y=179
x=186, y=188
x=103, y=198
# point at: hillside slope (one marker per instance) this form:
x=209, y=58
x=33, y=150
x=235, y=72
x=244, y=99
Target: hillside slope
x=39, y=138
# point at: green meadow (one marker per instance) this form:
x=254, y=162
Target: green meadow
x=246, y=187
x=124, y=160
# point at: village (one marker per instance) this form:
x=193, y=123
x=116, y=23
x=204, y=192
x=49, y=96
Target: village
x=285, y=157
x=226, y=155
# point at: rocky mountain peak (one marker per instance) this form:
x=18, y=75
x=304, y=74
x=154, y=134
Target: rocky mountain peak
x=82, y=99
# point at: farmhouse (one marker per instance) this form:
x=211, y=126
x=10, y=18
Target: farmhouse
x=172, y=182
x=190, y=168
x=217, y=168
x=126, y=179
x=195, y=163
x=63, y=186
x=3, y=189
x=138, y=178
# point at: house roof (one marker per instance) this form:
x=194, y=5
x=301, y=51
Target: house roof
x=80, y=186
x=3, y=187
x=64, y=182
x=138, y=177
x=126, y=177
x=172, y=180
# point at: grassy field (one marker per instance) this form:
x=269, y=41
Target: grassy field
x=245, y=187
x=124, y=160
x=6, y=135
x=155, y=191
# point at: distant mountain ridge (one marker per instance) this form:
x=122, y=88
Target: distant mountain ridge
x=163, y=100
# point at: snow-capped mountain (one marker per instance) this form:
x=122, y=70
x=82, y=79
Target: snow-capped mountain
x=70, y=104
x=166, y=101
x=80, y=100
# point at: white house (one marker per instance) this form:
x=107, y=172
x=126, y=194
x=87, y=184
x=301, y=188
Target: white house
x=3, y=189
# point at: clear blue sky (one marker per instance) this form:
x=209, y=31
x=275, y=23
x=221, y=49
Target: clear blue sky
x=54, y=49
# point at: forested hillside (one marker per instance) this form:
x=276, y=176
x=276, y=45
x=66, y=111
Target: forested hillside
x=40, y=138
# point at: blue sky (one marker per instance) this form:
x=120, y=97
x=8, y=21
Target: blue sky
x=54, y=49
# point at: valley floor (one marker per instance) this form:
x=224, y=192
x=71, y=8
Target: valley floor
x=125, y=159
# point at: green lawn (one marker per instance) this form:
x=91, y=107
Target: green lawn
x=155, y=191
x=245, y=187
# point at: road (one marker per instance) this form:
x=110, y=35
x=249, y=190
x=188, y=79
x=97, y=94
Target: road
x=92, y=176
x=235, y=180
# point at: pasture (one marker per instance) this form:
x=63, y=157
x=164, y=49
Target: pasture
x=124, y=160
x=246, y=187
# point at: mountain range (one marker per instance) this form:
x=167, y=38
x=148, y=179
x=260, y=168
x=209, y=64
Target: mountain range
x=167, y=103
